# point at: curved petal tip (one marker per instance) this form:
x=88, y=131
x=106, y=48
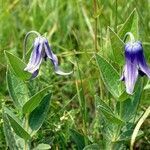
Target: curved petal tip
x=60, y=72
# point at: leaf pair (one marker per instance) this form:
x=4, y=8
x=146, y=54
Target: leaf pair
x=35, y=107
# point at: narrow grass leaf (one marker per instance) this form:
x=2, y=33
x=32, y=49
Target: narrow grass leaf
x=34, y=101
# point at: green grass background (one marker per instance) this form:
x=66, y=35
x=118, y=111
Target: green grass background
x=69, y=26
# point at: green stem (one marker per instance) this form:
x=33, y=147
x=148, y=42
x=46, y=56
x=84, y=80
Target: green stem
x=26, y=128
x=132, y=39
x=95, y=32
x=116, y=13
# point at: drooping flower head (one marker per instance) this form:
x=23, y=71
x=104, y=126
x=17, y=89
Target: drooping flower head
x=42, y=50
x=135, y=64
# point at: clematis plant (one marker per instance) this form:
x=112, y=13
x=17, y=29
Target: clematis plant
x=135, y=63
x=41, y=50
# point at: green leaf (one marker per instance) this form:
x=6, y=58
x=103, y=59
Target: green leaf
x=78, y=139
x=112, y=118
x=130, y=105
x=16, y=125
x=42, y=147
x=100, y=103
x=17, y=66
x=17, y=89
x=135, y=26
x=124, y=96
x=110, y=76
x=9, y=135
x=92, y=147
x=130, y=25
x=107, y=111
x=34, y=101
x=117, y=46
x=126, y=136
x=38, y=115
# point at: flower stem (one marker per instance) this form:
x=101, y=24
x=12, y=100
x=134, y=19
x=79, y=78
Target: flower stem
x=132, y=39
x=25, y=42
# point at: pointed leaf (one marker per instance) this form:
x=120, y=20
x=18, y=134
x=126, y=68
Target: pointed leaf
x=9, y=135
x=34, y=101
x=135, y=26
x=39, y=114
x=78, y=139
x=129, y=106
x=17, y=89
x=17, y=66
x=109, y=115
x=16, y=125
x=128, y=25
x=117, y=46
x=110, y=76
x=102, y=104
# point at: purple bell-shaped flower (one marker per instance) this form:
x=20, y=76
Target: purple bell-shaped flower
x=42, y=50
x=135, y=64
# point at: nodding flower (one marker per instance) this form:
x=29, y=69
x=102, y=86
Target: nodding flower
x=135, y=63
x=41, y=50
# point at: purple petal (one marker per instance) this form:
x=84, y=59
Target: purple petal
x=142, y=63
x=135, y=64
x=60, y=72
x=130, y=74
x=54, y=60
x=35, y=59
x=35, y=73
x=130, y=69
x=50, y=54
